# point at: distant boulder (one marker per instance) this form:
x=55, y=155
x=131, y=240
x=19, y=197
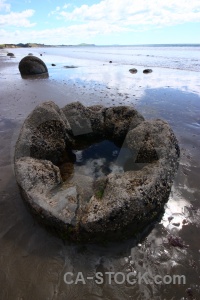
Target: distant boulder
x=146, y=71
x=30, y=54
x=11, y=54
x=53, y=65
x=133, y=70
x=32, y=65
x=70, y=67
x=110, y=62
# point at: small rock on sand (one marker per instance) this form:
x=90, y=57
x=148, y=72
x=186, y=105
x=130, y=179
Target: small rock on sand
x=70, y=67
x=147, y=71
x=133, y=71
x=11, y=54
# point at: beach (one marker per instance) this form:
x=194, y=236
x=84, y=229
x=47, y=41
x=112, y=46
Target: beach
x=33, y=262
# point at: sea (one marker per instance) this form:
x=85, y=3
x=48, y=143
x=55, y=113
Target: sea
x=186, y=57
x=182, y=57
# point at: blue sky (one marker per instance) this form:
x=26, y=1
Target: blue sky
x=103, y=22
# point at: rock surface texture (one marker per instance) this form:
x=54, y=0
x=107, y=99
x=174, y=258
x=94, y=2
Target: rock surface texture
x=32, y=65
x=83, y=208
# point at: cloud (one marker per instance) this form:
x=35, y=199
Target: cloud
x=131, y=13
x=58, y=9
x=72, y=34
x=66, y=5
x=19, y=19
x=4, y=6
x=103, y=19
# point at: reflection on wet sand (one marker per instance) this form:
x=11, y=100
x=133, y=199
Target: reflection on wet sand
x=39, y=76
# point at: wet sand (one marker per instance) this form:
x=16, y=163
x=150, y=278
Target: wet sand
x=32, y=261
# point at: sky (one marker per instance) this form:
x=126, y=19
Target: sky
x=106, y=22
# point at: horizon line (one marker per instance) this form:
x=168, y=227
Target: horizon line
x=91, y=44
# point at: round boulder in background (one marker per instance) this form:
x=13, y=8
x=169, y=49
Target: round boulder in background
x=11, y=54
x=147, y=71
x=133, y=71
x=32, y=65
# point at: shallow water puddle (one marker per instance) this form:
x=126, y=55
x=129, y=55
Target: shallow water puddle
x=98, y=160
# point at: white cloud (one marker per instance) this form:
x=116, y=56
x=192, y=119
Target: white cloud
x=126, y=13
x=58, y=10
x=118, y=16
x=107, y=17
x=66, y=34
x=19, y=19
x=72, y=34
x=4, y=6
x=66, y=5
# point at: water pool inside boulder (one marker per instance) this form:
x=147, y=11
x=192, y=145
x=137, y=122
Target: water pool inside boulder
x=99, y=160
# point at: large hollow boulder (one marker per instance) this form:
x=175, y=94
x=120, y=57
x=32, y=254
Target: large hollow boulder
x=31, y=65
x=80, y=206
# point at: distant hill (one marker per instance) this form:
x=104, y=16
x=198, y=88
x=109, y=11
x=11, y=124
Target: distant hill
x=84, y=44
x=36, y=45
x=21, y=45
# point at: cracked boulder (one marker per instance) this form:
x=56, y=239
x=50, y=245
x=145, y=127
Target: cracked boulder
x=79, y=206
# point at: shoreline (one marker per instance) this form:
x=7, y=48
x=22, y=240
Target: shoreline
x=109, y=84
x=151, y=94
x=150, y=57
